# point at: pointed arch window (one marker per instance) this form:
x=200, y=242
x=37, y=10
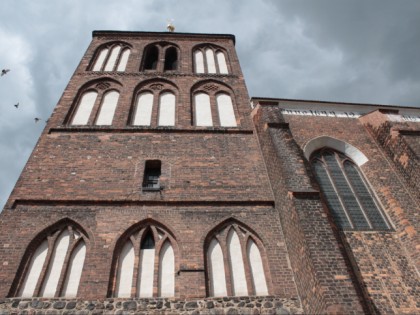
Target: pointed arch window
x=347, y=194
x=155, y=107
x=146, y=265
x=54, y=269
x=244, y=273
x=113, y=57
x=96, y=108
x=213, y=106
x=160, y=57
x=210, y=60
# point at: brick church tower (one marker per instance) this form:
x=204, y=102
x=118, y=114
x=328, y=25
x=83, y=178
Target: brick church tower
x=155, y=188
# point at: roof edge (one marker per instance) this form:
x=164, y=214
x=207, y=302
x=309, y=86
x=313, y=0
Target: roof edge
x=174, y=34
x=271, y=99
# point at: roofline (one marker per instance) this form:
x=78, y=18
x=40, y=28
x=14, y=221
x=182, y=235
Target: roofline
x=270, y=99
x=174, y=34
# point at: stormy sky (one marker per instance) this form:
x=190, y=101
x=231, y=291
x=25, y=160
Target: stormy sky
x=332, y=50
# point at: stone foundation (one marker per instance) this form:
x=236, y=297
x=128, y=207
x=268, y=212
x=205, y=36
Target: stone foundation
x=216, y=306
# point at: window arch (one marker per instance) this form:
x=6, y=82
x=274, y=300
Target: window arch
x=161, y=57
x=145, y=264
x=210, y=59
x=347, y=194
x=235, y=265
x=96, y=105
x=112, y=57
x=155, y=105
x=55, y=265
x=213, y=106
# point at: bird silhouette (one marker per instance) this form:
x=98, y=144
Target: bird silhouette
x=16, y=105
x=4, y=71
x=37, y=119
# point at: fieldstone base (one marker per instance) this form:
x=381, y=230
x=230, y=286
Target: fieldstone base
x=156, y=306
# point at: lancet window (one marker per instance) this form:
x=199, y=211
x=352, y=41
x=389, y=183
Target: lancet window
x=155, y=105
x=209, y=59
x=160, y=57
x=346, y=192
x=235, y=265
x=213, y=106
x=145, y=264
x=55, y=266
x=111, y=57
x=96, y=105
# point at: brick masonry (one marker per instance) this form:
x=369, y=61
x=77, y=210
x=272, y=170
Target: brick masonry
x=254, y=175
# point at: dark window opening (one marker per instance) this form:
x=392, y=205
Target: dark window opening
x=148, y=241
x=151, y=175
x=171, y=59
x=151, y=59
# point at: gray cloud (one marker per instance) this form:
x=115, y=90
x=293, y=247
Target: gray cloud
x=354, y=51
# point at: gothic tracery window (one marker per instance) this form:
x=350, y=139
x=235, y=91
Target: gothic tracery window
x=96, y=105
x=155, y=106
x=113, y=57
x=213, y=106
x=209, y=59
x=346, y=192
x=146, y=264
x=55, y=267
x=244, y=275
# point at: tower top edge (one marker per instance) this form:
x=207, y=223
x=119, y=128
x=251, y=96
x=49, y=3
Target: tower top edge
x=161, y=34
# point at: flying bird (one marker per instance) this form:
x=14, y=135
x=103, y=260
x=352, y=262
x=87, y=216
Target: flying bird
x=4, y=71
x=37, y=119
x=16, y=105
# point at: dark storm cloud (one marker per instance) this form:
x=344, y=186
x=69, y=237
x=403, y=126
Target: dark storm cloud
x=356, y=51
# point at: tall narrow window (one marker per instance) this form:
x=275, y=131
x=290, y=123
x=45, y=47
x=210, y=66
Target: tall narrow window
x=199, y=61
x=210, y=60
x=202, y=110
x=171, y=59
x=123, y=61
x=152, y=247
x=221, y=61
x=167, y=109
x=245, y=270
x=107, y=110
x=152, y=173
x=143, y=114
x=351, y=203
x=55, y=267
x=84, y=108
x=151, y=58
x=112, y=58
x=225, y=109
x=211, y=65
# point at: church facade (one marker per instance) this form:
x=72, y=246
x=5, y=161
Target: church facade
x=157, y=187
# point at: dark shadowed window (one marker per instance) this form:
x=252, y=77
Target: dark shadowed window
x=171, y=59
x=151, y=59
x=151, y=175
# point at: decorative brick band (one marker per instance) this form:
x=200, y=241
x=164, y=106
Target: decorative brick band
x=216, y=306
x=149, y=130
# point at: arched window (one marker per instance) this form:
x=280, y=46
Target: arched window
x=160, y=57
x=213, y=105
x=113, y=57
x=55, y=267
x=352, y=205
x=91, y=102
x=151, y=58
x=210, y=60
x=146, y=264
x=225, y=110
x=202, y=110
x=244, y=275
x=171, y=59
x=155, y=105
